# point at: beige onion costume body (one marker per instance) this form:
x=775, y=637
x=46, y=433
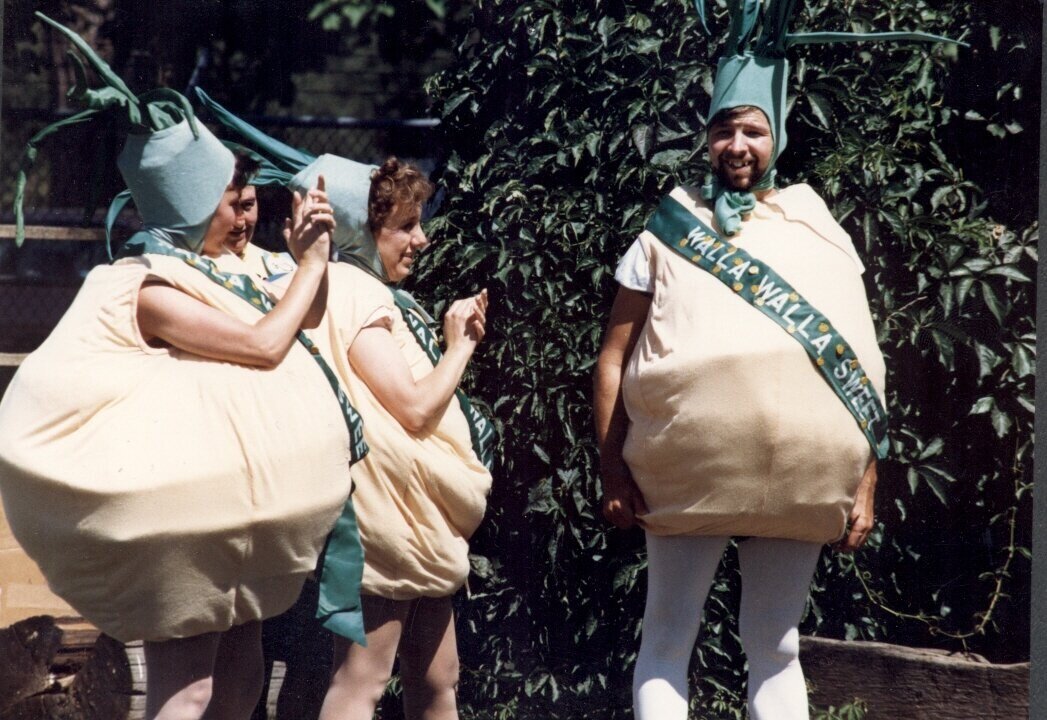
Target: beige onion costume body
x=418, y=496
x=164, y=494
x=732, y=429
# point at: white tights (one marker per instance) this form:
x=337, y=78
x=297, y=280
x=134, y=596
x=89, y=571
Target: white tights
x=776, y=577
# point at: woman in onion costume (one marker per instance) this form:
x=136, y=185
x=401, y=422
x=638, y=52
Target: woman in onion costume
x=422, y=492
x=174, y=455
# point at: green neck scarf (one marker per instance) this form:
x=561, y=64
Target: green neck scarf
x=729, y=206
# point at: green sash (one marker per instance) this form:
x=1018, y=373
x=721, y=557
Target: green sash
x=340, y=572
x=481, y=430
x=342, y=562
x=765, y=290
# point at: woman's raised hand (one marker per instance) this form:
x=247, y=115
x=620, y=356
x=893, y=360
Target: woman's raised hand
x=308, y=230
x=465, y=322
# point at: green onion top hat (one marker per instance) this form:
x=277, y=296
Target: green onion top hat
x=177, y=171
x=754, y=71
x=348, y=184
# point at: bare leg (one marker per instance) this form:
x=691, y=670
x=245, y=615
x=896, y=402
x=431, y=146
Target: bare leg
x=179, y=686
x=238, y=673
x=362, y=673
x=429, y=661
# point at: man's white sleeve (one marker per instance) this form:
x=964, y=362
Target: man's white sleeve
x=634, y=269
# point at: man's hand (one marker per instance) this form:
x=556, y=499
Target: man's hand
x=860, y=521
x=622, y=499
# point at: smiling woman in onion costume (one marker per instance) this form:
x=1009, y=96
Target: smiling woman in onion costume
x=422, y=490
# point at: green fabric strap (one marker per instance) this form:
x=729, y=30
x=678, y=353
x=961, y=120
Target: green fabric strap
x=115, y=208
x=341, y=572
x=284, y=159
x=765, y=290
x=730, y=205
x=29, y=157
x=813, y=38
x=481, y=430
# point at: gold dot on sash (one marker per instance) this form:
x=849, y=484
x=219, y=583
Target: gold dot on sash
x=759, y=301
x=731, y=248
x=256, y=301
x=820, y=361
x=753, y=269
x=683, y=241
x=314, y=350
x=791, y=329
x=716, y=270
x=854, y=364
x=228, y=284
x=738, y=261
x=864, y=380
x=188, y=261
x=754, y=288
x=793, y=296
x=737, y=287
x=696, y=259
x=840, y=349
x=823, y=327
x=717, y=245
x=864, y=424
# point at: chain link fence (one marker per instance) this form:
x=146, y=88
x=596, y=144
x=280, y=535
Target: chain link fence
x=75, y=170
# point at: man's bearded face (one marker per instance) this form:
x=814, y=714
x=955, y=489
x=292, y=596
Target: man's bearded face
x=740, y=149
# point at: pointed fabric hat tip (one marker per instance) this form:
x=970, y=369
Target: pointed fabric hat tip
x=176, y=169
x=348, y=183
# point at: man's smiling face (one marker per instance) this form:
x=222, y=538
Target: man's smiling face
x=740, y=148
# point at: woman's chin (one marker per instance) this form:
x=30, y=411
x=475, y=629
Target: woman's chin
x=237, y=247
x=398, y=273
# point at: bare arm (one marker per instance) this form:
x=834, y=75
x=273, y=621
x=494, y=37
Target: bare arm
x=318, y=307
x=378, y=361
x=622, y=500
x=168, y=314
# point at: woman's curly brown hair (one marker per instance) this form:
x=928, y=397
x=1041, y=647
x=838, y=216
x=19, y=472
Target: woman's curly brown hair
x=395, y=184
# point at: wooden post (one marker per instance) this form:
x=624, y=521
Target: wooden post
x=913, y=683
x=27, y=649
x=31, y=650
x=1038, y=620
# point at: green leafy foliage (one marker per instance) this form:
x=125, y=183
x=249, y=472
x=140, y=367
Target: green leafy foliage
x=851, y=711
x=334, y=13
x=405, y=33
x=566, y=123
